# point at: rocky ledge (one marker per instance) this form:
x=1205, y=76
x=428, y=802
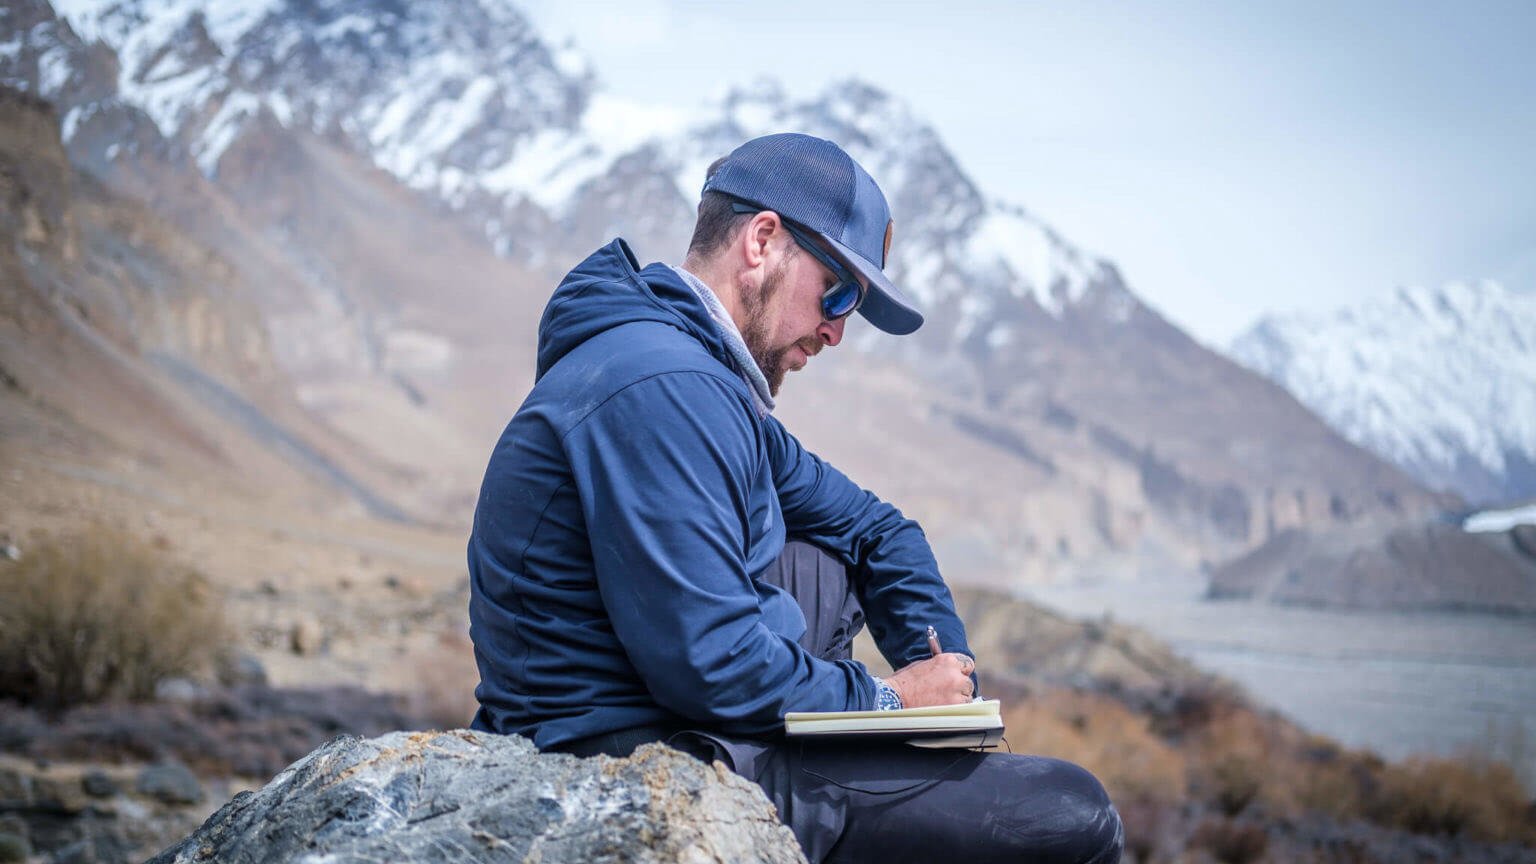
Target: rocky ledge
x=466, y=796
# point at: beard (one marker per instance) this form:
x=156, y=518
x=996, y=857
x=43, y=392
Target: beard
x=759, y=330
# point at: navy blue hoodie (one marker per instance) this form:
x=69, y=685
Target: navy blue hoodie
x=628, y=508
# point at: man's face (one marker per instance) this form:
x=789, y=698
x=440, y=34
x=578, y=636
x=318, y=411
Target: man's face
x=785, y=327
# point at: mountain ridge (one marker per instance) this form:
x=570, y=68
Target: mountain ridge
x=1140, y=449
x=1441, y=381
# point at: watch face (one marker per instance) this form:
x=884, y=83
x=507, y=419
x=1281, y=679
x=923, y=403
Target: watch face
x=885, y=697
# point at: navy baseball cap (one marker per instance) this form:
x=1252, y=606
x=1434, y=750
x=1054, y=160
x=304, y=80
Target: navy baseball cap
x=814, y=184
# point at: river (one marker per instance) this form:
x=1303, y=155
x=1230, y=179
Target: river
x=1447, y=684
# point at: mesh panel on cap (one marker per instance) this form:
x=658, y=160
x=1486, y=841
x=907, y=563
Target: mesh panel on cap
x=804, y=179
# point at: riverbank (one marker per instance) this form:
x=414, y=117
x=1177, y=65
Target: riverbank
x=1447, y=684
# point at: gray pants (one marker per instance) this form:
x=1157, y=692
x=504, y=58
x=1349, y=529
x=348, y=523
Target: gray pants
x=888, y=802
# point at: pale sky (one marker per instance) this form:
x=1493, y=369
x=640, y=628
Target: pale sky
x=1232, y=158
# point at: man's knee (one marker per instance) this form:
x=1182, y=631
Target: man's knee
x=1065, y=815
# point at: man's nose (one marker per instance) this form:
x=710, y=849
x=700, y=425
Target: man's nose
x=831, y=332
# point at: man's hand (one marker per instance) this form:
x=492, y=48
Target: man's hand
x=941, y=680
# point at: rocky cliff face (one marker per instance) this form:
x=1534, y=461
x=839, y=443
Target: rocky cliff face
x=449, y=796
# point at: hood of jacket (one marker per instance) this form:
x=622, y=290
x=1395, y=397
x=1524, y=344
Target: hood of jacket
x=610, y=289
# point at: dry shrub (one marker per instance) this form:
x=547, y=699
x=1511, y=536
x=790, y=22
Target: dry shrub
x=1154, y=831
x=1185, y=710
x=1328, y=779
x=100, y=614
x=1235, y=755
x=1481, y=800
x=1229, y=841
x=1102, y=735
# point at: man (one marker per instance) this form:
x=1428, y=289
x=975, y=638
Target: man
x=629, y=574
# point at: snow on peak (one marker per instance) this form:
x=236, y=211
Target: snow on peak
x=1434, y=379
x=430, y=91
x=462, y=100
x=552, y=164
x=1040, y=264
x=147, y=22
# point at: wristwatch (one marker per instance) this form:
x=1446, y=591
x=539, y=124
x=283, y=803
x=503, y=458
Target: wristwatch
x=886, y=697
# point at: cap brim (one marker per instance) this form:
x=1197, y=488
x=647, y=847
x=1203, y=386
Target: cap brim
x=885, y=306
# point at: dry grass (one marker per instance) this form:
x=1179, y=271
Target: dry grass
x=1247, y=757
x=1238, y=758
x=1481, y=800
x=99, y=614
x=1216, y=755
x=1230, y=842
x=1102, y=735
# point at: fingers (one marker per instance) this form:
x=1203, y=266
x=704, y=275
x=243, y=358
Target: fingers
x=941, y=680
x=967, y=665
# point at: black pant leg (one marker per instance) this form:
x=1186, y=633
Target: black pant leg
x=893, y=803
x=820, y=584
x=997, y=807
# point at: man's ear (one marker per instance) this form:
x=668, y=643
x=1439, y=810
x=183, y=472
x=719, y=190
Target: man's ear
x=758, y=236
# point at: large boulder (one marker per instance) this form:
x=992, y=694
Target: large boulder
x=468, y=796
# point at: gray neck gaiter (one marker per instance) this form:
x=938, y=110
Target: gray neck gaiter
x=746, y=367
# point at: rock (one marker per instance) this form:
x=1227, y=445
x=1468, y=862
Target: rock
x=171, y=783
x=15, y=787
x=241, y=669
x=98, y=784
x=461, y=795
x=305, y=637
x=10, y=552
x=94, y=848
x=178, y=690
x=58, y=792
x=14, y=847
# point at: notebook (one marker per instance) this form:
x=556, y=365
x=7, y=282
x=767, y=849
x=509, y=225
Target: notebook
x=968, y=724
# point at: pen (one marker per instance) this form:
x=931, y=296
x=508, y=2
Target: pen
x=933, y=642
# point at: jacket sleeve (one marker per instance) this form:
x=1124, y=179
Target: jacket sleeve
x=894, y=571
x=664, y=471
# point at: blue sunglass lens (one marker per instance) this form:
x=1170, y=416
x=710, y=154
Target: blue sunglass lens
x=840, y=300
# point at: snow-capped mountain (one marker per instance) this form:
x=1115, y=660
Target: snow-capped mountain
x=434, y=91
x=1440, y=381
x=341, y=153
x=462, y=101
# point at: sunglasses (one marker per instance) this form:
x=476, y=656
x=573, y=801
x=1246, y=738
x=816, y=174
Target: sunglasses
x=843, y=298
